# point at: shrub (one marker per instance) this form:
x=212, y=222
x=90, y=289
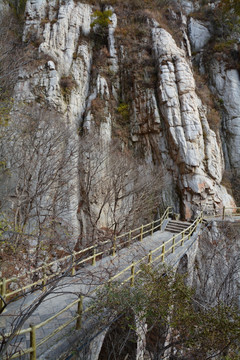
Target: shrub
x=161, y=299
x=18, y=6
x=6, y=104
x=44, y=21
x=123, y=110
x=225, y=45
x=98, y=110
x=67, y=84
x=101, y=18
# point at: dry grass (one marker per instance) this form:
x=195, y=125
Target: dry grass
x=208, y=99
x=98, y=107
x=67, y=84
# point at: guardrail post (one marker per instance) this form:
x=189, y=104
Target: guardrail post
x=163, y=251
x=132, y=274
x=33, y=345
x=114, y=246
x=94, y=256
x=141, y=235
x=73, y=263
x=44, y=281
x=152, y=226
x=79, y=313
x=3, y=292
x=223, y=214
x=129, y=236
x=182, y=241
x=150, y=257
x=173, y=244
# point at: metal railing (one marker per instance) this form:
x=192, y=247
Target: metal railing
x=128, y=274
x=221, y=213
x=79, y=258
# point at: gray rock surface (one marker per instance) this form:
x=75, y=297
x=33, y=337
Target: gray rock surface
x=198, y=33
x=192, y=145
x=216, y=271
x=187, y=6
x=62, y=82
x=168, y=127
x=226, y=84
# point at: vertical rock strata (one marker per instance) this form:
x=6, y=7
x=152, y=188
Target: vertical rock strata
x=60, y=32
x=226, y=85
x=167, y=121
x=192, y=145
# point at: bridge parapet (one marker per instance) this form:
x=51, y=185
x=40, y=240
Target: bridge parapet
x=210, y=212
x=77, y=259
x=79, y=308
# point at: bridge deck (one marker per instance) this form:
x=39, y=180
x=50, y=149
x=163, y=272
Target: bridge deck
x=84, y=282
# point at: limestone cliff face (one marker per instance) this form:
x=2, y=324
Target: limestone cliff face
x=226, y=85
x=223, y=78
x=192, y=145
x=216, y=270
x=85, y=78
x=60, y=32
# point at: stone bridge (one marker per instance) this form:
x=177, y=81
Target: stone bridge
x=56, y=323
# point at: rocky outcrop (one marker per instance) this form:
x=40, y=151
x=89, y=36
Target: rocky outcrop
x=61, y=31
x=223, y=80
x=216, y=270
x=84, y=77
x=187, y=6
x=226, y=85
x=199, y=34
x=192, y=145
x=60, y=84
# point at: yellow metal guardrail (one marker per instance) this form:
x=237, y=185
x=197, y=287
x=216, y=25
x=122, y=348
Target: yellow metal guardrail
x=222, y=213
x=79, y=258
x=134, y=269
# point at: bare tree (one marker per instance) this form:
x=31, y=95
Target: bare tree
x=39, y=152
x=12, y=54
x=217, y=265
x=118, y=192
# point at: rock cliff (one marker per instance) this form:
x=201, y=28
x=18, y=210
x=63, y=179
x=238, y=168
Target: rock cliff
x=216, y=270
x=130, y=81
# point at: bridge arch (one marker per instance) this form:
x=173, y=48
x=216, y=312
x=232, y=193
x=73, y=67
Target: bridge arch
x=182, y=267
x=123, y=339
x=120, y=341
